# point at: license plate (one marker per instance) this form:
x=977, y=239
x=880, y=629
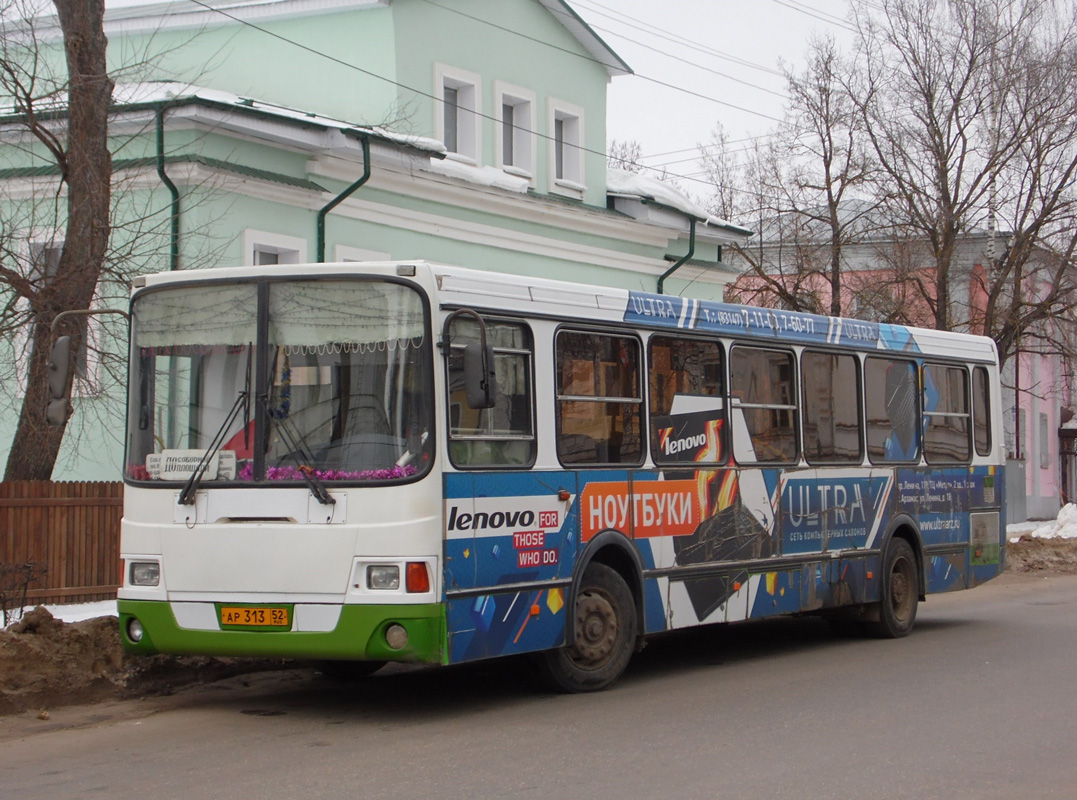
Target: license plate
x=260, y=616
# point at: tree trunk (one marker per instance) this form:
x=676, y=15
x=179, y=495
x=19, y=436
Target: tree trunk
x=88, y=176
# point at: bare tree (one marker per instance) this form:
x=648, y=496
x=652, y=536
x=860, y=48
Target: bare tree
x=723, y=169
x=624, y=155
x=85, y=168
x=970, y=110
x=813, y=184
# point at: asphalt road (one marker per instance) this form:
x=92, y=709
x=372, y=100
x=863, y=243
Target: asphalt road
x=977, y=703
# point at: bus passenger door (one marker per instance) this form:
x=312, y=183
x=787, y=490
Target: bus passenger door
x=518, y=533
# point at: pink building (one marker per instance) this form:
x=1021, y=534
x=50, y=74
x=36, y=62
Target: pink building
x=882, y=280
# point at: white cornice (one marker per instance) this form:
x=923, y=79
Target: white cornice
x=419, y=184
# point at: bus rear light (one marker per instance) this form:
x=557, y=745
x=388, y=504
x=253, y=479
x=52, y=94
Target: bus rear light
x=418, y=579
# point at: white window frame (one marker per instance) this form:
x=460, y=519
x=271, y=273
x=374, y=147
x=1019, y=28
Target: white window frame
x=571, y=183
x=289, y=249
x=469, y=104
x=84, y=384
x=343, y=252
x=524, y=141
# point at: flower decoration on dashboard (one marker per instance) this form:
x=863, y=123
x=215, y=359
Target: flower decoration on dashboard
x=296, y=473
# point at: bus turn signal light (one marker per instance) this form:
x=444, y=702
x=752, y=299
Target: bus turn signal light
x=418, y=579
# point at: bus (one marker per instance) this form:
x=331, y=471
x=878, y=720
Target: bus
x=402, y=461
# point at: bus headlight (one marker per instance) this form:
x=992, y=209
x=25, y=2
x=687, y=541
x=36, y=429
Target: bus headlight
x=383, y=576
x=145, y=573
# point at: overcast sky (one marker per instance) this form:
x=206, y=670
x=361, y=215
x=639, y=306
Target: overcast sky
x=698, y=62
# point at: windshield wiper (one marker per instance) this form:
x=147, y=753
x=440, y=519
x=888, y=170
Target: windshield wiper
x=296, y=448
x=186, y=497
x=243, y=403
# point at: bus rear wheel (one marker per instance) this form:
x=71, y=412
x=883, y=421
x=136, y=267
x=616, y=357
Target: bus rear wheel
x=899, y=593
x=605, y=635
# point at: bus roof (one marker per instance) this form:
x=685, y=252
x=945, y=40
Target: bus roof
x=530, y=296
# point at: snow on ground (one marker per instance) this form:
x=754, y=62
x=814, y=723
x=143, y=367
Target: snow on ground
x=76, y=612
x=1064, y=527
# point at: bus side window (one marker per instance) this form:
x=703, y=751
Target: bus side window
x=505, y=434
x=598, y=399
x=947, y=417
x=891, y=398
x=981, y=411
x=763, y=391
x=687, y=414
x=830, y=385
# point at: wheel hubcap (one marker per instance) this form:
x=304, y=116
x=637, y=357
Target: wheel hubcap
x=901, y=589
x=596, y=630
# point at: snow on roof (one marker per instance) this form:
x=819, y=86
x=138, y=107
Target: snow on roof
x=633, y=184
x=176, y=92
x=480, y=175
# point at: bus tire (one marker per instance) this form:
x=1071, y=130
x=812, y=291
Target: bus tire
x=348, y=670
x=605, y=635
x=899, y=593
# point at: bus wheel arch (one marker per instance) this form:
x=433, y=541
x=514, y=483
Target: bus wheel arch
x=603, y=619
x=903, y=527
x=900, y=585
x=616, y=551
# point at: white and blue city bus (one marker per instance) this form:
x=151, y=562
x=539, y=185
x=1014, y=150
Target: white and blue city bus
x=360, y=463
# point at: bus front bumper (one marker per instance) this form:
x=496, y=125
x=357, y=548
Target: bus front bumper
x=360, y=635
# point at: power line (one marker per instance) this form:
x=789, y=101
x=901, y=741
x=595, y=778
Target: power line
x=656, y=81
x=681, y=41
x=691, y=63
x=815, y=15
x=375, y=75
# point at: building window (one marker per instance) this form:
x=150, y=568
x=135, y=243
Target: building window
x=261, y=249
x=1045, y=443
x=43, y=263
x=458, y=112
x=343, y=252
x=515, y=114
x=566, y=148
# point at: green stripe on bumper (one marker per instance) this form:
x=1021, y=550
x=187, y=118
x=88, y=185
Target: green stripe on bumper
x=359, y=635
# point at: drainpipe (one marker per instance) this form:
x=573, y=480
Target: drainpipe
x=173, y=241
x=340, y=198
x=691, y=252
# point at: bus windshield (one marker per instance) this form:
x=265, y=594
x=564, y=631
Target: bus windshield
x=335, y=383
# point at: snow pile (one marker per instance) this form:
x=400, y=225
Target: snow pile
x=1063, y=527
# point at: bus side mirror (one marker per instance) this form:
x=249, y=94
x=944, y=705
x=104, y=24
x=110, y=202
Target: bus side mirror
x=58, y=409
x=479, y=380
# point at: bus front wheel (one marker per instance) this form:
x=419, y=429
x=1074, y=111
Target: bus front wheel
x=605, y=634
x=899, y=593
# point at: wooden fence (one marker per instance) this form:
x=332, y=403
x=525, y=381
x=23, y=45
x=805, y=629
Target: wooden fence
x=69, y=530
